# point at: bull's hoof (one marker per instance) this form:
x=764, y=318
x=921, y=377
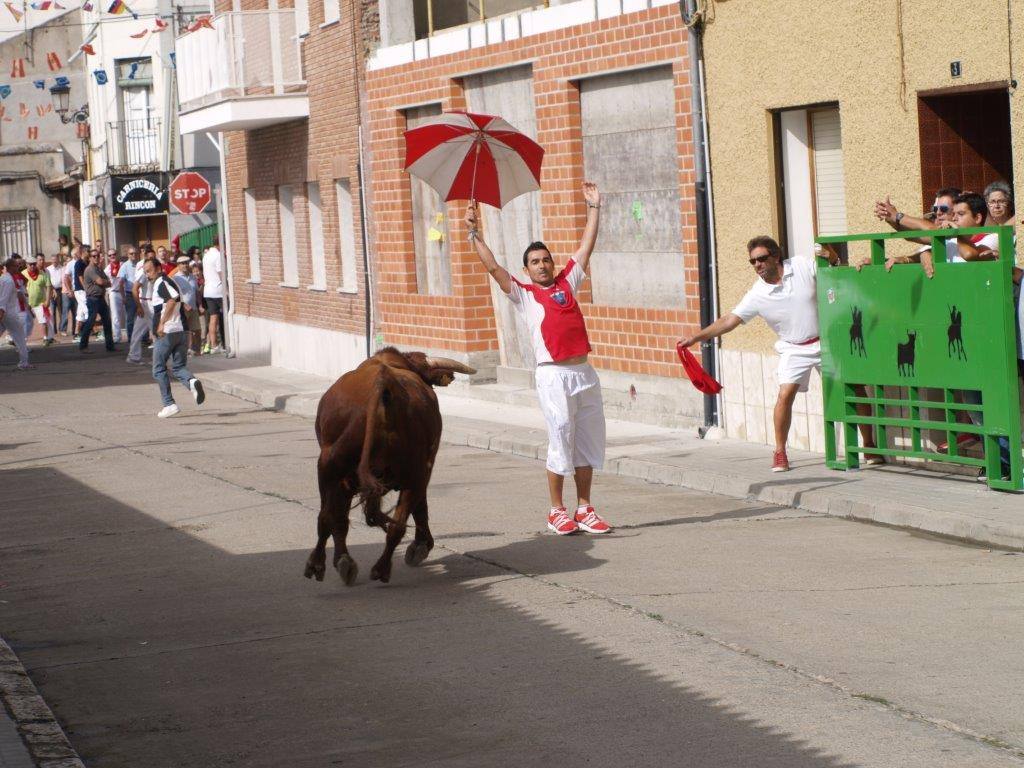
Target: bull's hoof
x=381, y=572
x=416, y=553
x=347, y=569
x=315, y=569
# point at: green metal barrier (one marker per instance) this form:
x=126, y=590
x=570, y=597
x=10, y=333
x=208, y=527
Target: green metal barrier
x=951, y=333
x=201, y=237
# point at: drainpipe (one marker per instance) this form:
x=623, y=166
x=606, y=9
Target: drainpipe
x=367, y=278
x=705, y=213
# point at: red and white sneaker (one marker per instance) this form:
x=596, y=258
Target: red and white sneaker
x=587, y=520
x=780, y=462
x=560, y=522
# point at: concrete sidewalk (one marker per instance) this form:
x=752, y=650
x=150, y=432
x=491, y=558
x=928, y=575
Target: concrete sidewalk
x=929, y=501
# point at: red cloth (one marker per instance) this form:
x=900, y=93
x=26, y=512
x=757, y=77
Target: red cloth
x=698, y=376
x=168, y=267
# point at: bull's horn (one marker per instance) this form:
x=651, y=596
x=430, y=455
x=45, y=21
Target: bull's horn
x=451, y=365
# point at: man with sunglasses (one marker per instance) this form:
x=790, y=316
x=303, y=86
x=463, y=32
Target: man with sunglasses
x=785, y=295
x=941, y=217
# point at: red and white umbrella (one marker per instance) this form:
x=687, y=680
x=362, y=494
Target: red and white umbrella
x=474, y=157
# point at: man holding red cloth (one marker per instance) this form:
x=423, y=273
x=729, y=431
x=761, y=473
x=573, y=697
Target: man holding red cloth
x=785, y=295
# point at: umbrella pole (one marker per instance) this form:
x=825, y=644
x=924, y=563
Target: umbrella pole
x=476, y=163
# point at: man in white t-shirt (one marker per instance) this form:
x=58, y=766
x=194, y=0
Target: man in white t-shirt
x=785, y=295
x=567, y=385
x=213, y=296
x=171, y=340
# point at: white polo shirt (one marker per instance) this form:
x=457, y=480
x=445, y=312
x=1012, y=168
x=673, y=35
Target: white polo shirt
x=791, y=307
x=991, y=240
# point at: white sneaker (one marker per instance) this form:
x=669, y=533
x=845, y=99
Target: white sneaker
x=217, y=350
x=169, y=410
x=198, y=394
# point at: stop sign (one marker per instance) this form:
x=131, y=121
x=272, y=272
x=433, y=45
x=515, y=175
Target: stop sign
x=190, y=192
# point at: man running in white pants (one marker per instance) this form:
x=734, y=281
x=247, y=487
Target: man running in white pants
x=567, y=386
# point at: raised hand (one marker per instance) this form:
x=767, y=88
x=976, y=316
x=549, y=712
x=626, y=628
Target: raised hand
x=471, y=216
x=591, y=194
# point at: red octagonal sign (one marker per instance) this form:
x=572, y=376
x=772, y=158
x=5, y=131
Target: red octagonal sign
x=189, y=192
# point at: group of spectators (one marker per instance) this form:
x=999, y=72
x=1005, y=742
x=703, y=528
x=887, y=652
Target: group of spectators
x=105, y=294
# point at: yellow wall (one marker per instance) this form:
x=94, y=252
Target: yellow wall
x=761, y=56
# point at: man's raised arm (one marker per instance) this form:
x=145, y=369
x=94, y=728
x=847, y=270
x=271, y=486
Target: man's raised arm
x=498, y=272
x=593, y=199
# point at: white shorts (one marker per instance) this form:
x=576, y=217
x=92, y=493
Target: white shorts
x=570, y=399
x=81, y=309
x=796, y=361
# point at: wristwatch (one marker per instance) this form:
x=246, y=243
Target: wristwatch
x=591, y=205
x=899, y=216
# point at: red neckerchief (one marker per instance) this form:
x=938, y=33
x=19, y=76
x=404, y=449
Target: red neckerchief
x=115, y=267
x=33, y=273
x=975, y=239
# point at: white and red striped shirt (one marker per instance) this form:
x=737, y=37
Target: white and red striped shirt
x=553, y=315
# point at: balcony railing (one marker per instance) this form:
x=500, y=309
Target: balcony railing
x=133, y=146
x=241, y=55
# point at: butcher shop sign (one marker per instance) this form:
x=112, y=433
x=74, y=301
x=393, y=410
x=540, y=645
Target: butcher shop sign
x=138, y=195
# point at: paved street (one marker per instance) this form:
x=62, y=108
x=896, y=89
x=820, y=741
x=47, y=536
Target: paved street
x=151, y=583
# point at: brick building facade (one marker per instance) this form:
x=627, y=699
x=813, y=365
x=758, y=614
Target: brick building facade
x=604, y=86
x=609, y=100
x=294, y=210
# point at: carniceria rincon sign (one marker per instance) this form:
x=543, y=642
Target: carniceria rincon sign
x=138, y=195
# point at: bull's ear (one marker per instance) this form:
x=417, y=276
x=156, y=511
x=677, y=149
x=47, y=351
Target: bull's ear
x=440, y=377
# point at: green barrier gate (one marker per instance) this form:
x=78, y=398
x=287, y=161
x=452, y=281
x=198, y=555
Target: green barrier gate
x=953, y=333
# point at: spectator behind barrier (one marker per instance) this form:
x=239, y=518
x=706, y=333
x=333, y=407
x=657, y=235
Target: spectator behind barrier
x=941, y=216
x=999, y=197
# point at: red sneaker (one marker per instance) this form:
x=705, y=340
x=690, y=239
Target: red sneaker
x=587, y=520
x=560, y=522
x=780, y=462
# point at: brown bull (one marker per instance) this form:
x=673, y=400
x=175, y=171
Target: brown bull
x=379, y=428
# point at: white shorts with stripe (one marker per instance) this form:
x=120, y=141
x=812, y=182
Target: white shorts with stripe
x=570, y=399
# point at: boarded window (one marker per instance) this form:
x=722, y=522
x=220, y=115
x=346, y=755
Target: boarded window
x=316, y=236
x=289, y=257
x=429, y=223
x=252, y=235
x=630, y=151
x=346, y=230
x=332, y=11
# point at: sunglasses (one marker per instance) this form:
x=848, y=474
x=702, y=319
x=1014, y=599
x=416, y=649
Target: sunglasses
x=759, y=259
x=940, y=209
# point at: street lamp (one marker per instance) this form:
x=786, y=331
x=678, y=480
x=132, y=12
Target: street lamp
x=61, y=95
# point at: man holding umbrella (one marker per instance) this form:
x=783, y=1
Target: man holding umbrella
x=567, y=385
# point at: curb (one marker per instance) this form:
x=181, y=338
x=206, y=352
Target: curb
x=818, y=501
x=39, y=730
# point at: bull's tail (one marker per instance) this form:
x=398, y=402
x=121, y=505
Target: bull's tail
x=370, y=487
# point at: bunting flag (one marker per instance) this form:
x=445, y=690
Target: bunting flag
x=23, y=109
x=40, y=84
x=88, y=49
x=202, y=21
x=41, y=5
x=14, y=11
x=33, y=133
x=5, y=91
x=87, y=6
x=139, y=35
x=61, y=82
x=161, y=25
x=134, y=70
x=53, y=61
x=17, y=67
x=44, y=110
x=101, y=76
x=117, y=7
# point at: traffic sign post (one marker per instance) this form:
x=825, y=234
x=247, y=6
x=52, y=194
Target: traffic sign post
x=190, y=192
